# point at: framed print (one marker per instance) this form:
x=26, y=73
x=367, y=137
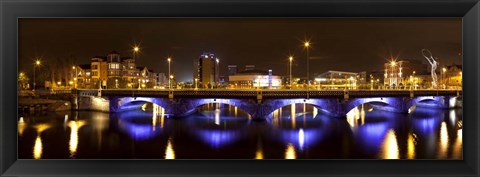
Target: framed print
x=267, y=88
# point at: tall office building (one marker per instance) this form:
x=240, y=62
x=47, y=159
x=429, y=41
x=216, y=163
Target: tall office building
x=206, y=70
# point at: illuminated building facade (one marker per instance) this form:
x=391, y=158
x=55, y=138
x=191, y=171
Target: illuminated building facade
x=255, y=79
x=206, y=70
x=337, y=80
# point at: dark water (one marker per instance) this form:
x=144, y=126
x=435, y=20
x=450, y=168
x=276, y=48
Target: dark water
x=223, y=132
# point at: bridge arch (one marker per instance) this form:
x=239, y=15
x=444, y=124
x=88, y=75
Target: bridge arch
x=432, y=101
x=392, y=104
x=187, y=106
x=328, y=106
x=129, y=103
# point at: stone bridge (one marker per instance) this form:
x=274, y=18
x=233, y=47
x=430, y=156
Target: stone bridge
x=261, y=103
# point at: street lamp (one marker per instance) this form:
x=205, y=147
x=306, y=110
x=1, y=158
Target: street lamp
x=76, y=75
x=443, y=77
x=290, y=81
x=136, y=49
x=37, y=63
x=307, y=46
x=217, y=71
x=414, y=83
x=196, y=81
x=139, y=84
x=392, y=75
x=169, y=80
x=116, y=83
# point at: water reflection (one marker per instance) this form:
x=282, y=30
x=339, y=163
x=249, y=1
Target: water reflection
x=293, y=132
x=290, y=152
x=38, y=147
x=21, y=126
x=73, y=143
x=411, y=142
x=443, y=141
x=134, y=123
x=169, y=152
x=259, y=151
x=390, y=146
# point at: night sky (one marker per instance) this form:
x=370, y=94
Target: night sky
x=336, y=44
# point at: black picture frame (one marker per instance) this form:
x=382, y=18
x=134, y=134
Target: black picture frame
x=10, y=11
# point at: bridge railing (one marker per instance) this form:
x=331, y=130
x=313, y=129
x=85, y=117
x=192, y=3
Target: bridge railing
x=267, y=93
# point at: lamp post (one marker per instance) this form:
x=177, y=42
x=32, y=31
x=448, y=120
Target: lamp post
x=76, y=75
x=443, y=77
x=170, y=75
x=392, y=73
x=116, y=83
x=290, y=81
x=307, y=46
x=136, y=49
x=414, y=81
x=196, y=81
x=171, y=78
x=139, y=84
x=217, y=71
x=37, y=63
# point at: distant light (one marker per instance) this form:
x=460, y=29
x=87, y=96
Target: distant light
x=290, y=58
x=307, y=44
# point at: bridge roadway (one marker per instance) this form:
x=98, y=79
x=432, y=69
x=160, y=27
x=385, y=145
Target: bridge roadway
x=234, y=93
x=261, y=103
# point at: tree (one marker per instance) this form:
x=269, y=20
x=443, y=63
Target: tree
x=23, y=81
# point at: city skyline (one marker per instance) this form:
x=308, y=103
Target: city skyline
x=337, y=44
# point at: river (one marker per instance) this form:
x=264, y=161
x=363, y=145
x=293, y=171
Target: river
x=226, y=132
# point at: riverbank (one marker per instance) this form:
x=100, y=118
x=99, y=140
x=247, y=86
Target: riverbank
x=42, y=104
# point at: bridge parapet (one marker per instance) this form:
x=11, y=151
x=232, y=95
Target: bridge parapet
x=276, y=93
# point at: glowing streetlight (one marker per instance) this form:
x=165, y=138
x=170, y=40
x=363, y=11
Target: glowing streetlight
x=306, y=44
x=116, y=83
x=393, y=63
x=139, y=84
x=171, y=77
x=37, y=63
x=291, y=59
x=217, y=71
x=443, y=76
x=135, y=50
x=414, y=84
x=196, y=81
x=76, y=75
